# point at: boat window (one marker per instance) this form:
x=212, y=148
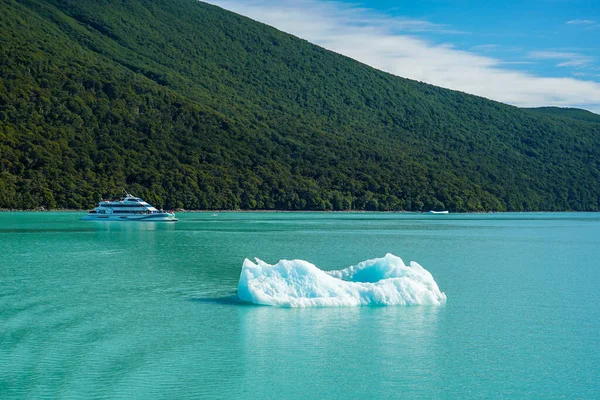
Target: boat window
x=124, y=205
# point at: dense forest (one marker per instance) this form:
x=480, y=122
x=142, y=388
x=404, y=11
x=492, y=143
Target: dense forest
x=191, y=106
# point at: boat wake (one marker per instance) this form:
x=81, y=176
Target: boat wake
x=377, y=282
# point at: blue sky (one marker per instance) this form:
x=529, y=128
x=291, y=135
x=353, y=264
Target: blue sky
x=535, y=36
x=525, y=53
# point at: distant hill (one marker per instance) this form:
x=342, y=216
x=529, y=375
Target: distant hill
x=574, y=113
x=188, y=105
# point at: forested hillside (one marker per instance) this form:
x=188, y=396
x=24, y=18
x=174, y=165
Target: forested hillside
x=188, y=105
x=569, y=112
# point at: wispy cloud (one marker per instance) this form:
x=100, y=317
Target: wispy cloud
x=587, y=24
x=393, y=44
x=516, y=62
x=415, y=25
x=586, y=75
x=486, y=47
x=581, y=22
x=568, y=59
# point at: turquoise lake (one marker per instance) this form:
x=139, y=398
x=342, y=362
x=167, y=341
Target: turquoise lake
x=149, y=310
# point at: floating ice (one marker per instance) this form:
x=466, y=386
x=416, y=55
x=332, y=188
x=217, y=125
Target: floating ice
x=298, y=283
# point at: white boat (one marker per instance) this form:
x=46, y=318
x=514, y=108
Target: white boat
x=129, y=208
x=438, y=212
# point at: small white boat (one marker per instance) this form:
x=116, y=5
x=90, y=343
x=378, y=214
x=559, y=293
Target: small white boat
x=438, y=212
x=129, y=208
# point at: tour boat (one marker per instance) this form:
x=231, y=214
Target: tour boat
x=129, y=208
x=438, y=212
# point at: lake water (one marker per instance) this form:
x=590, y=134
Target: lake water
x=143, y=310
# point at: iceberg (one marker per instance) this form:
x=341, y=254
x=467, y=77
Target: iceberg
x=378, y=282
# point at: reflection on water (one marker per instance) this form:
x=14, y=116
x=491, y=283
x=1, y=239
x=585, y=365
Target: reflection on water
x=131, y=226
x=389, y=345
x=232, y=300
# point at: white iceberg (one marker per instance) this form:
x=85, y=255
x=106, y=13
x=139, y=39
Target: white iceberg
x=377, y=282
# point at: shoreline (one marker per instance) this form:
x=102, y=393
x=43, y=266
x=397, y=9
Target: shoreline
x=225, y=211
x=7, y=210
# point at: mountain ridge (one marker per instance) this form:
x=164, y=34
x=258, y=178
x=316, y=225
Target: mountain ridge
x=570, y=112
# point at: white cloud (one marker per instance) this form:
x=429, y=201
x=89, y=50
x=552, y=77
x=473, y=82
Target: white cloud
x=568, y=59
x=392, y=45
x=581, y=22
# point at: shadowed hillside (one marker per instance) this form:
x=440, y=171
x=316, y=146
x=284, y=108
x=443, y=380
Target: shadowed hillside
x=188, y=105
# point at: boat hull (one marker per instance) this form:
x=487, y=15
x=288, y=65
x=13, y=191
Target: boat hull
x=159, y=217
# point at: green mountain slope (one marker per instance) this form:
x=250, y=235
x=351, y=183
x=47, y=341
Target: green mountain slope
x=574, y=113
x=188, y=105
